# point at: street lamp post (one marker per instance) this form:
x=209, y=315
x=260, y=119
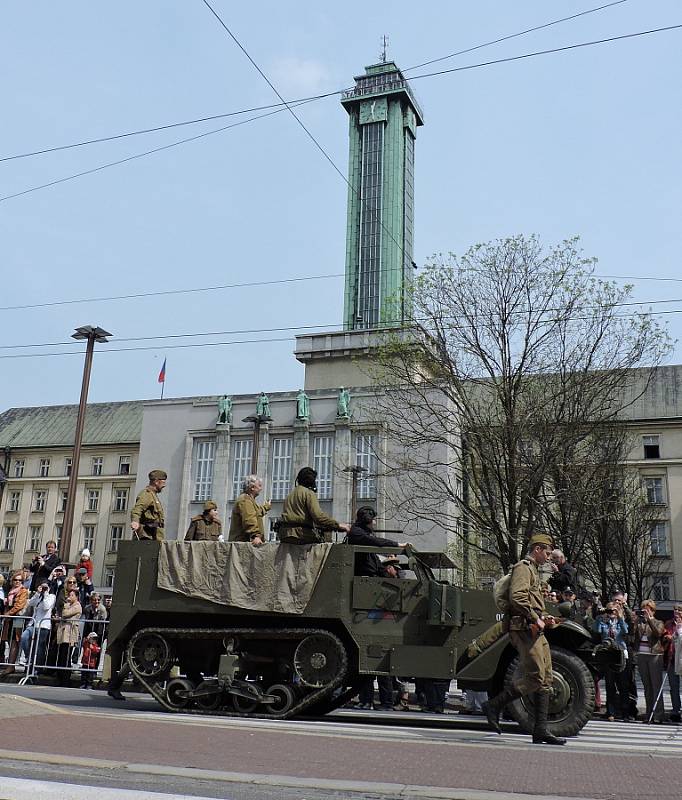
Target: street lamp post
x=355, y=471
x=92, y=334
x=258, y=420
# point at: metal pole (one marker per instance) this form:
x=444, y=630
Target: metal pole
x=65, y=544
x=256, y=446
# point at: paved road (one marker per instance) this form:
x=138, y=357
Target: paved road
x=223, y=757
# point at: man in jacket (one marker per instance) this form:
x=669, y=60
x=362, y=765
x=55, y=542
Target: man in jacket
x=526, y=623
x=206, y=527
x=362, y=533
x=42, y=566
x=246, y=522
x=564, y=574
x=147, y=517
x=303, y=521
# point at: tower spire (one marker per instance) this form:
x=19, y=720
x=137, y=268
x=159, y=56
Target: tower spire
x=383, y=55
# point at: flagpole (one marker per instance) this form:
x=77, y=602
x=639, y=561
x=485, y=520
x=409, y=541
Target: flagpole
x=163, y=386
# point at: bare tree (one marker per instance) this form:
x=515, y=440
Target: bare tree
x=515, y=355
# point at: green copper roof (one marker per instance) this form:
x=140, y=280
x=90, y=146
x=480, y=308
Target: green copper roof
x=55, y=426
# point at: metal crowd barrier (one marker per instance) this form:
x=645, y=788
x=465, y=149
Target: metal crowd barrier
x=35, y=657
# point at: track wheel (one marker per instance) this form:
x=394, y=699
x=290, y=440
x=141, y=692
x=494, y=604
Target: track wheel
x=244, y=705
x=285, y=699
x=174, y=691
x=150, y=655
x=211, y=700
x=319, y=659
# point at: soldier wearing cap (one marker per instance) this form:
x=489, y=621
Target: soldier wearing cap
x=526, y=622
x=205, y=527
x=147, y=516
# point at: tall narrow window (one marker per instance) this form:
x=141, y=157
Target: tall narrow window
x=281, y=468
x=68, y=463
x=19, y=468
x=58, y=530
x=39, y=500
x=654, y=491
x=368, y=303
x=14, y=501
x=44, y=469
x=120, y=499
x=323, y=464
x=652, y=446
x=659, y=539
x=241, y=464
x=365, y=456
x=35, y=535
x=8, y=536
x=63, y=500
x=661, y=589
x=97, y=465
x=124, y=465
x=89, y=537
x=115, y=537
x=92, y=500
x=109, y=573
x=204, y=457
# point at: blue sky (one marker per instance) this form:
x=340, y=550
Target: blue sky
x=584, y=142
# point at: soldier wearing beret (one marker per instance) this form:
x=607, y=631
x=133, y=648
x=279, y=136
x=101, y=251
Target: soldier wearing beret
x=526, y=622
x=147, y=516
x=206, y=527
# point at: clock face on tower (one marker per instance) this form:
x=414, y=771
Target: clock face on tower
x=374, y=110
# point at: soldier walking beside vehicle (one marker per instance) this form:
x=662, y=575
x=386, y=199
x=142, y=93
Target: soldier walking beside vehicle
x=147, y=516
x=526, y=622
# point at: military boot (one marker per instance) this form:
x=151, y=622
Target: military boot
x=494, y=707
x=540, y=733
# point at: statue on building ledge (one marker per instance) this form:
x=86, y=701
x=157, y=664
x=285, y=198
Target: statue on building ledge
x=263, y=406
x=224, y=410
x=302, y=406
x=343, y=403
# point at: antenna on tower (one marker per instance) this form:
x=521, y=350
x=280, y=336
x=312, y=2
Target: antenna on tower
x=384, y=45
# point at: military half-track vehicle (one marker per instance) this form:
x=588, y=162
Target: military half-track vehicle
x=228, y=629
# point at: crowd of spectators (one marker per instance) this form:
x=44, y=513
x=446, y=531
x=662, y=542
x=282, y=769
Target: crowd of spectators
x=52, y=622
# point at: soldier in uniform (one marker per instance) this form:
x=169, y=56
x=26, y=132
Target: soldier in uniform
x=246, y=522
x=205, y=527
x=526, y=622
x=303, y=521
x=147, y=516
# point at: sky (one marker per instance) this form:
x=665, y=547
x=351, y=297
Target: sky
x=583, y=142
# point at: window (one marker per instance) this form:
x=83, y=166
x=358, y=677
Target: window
x=124, y=465
x=58, y=534
x=68, y=463
x=323, y=464
x=19, y=468
x=654, y=491
x=241, y=464
x=487, y=582
x=14, y=501
x=97, y=464
x=661, y=589
x=368, y=294
x=63, y=500
x=44, y=469
x=204, y=455
x=115, y=537
x=39, y=500
x=120, y=499
x=92, y=500
x=35, y=535
x=365, y=456
x=8, y=535
x=89, y=537
x=652, y=447
x=109, y=577
x=281, y=467
x=659, y=540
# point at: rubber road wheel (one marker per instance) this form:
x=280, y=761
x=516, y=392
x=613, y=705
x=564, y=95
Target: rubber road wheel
x=286, y=698
x=572, y=701
x=173, y=688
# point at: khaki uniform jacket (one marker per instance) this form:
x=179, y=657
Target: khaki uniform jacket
x=246, y=521
x=302, y=514
x=200, y=530
x=526, y=601
x=148, y=511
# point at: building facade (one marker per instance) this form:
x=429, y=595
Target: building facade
x=37, y=451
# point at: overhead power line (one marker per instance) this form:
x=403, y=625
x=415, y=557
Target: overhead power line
x=212, y=117
x=515, y=35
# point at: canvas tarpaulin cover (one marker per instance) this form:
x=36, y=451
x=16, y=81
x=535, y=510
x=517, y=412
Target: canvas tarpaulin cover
x=274, y=577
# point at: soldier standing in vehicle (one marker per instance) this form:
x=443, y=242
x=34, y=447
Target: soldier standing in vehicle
x=303, y=521
x=526, y=622
x=205, y=527
x=147, y=516
x=246, y=522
